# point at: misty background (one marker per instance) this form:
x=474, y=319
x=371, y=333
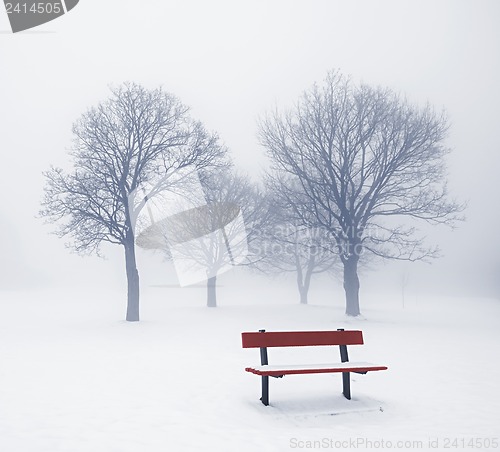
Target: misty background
x=231, y=62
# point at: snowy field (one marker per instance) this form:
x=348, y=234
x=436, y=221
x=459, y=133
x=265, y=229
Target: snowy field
x=76, y=378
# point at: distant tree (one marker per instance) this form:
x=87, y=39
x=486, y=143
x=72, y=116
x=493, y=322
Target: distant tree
x=214, y=237
x=286, y=246
x=355, y=160
x=135, y=136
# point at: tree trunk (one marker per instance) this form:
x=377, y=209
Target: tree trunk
x=304, y=281
x=351, y=286
x=303, y=295
x=211, y=292
x=300, y=283
x=132, y=283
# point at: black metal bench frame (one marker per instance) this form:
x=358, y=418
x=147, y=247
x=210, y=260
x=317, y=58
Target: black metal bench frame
x=342, y=338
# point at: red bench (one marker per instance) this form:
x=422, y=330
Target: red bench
x=342, y=338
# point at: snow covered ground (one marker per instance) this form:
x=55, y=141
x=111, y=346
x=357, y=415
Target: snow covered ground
x=75, y=378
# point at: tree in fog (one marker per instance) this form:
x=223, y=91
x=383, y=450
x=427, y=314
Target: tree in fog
x=361, y=162
x=212, y=238
x=135, y=137
x=286, y=246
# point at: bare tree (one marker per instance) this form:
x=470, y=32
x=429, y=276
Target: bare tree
x=209, y=239
x=135, y=136
x=286, y=246
x=356, y=160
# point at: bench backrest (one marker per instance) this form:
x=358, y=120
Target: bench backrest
x=300, y=338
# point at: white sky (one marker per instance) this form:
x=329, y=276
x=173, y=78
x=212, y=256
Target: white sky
x=231, y=61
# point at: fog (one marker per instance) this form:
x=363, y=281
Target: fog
x=231, y=62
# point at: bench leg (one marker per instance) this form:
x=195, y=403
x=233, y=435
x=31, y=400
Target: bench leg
x=265, y=391
x=346, y=385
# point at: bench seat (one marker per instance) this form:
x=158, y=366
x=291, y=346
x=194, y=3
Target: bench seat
x=341, y=338
x=280, y=370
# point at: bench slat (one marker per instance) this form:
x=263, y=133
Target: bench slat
x=291, y=369
x=300, y=338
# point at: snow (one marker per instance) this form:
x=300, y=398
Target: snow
x=303, y=367
x=73, y=377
